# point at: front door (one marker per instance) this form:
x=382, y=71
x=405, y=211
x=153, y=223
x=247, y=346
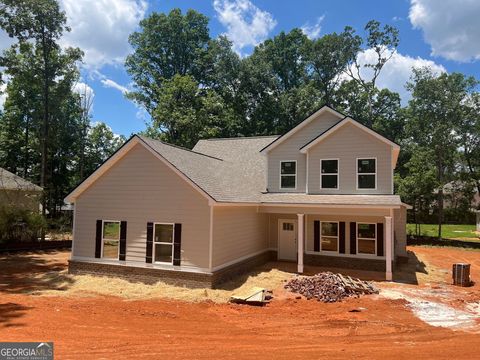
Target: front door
x=287, y=239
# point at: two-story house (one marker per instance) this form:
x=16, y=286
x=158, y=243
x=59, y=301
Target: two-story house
x=321, y=194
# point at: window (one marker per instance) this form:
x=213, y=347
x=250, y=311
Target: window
x=288, y=226
x=110, y=239
x=329, y=174
x=329, y=239
x=288, y=174
x=163, y=243
x=366, y=173
x=366, y=238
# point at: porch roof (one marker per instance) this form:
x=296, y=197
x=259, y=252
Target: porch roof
x=312, y=199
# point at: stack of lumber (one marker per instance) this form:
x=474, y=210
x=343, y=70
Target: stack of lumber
x=329, y=287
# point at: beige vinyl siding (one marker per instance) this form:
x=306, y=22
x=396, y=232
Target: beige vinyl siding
x=290, y=150
x=238, y=232
x=140, y=188
x=400, y=226
x=347, y=144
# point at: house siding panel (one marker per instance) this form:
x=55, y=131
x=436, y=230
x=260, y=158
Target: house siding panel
x=138, y=189
x=290, y=150
x=238, y=232
x=400, y=226
x=347, y=144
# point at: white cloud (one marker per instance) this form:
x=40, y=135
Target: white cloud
x=397, y=71
x=451, y=27
x=114, y=85
x=3, y=95
x=246, y=24
x=84, y=90
x=101, y=28
x=313, y=31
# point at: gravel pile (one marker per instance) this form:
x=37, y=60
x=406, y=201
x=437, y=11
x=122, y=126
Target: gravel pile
x=329, y=287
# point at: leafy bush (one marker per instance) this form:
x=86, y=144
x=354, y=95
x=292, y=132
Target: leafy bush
x=19, y=225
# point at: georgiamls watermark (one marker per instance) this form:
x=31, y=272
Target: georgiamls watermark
x=26, y=350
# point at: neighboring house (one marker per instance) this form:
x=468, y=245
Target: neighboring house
x=18, y=192
x=321, y=194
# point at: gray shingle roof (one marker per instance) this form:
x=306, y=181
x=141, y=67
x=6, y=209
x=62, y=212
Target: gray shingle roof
x=10, y=181
x=233, y=170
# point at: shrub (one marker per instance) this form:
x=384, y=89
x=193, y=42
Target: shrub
x=19, y=225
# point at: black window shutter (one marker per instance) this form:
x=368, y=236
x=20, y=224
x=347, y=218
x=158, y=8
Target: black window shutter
x=98, y=239
x=177, y=244
x=380, y=239
x=341, y=238
x=148, y=256
x=353, y=238
x=123, y=240
x=316, y=235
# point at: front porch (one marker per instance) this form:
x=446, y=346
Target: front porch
x=346, y=238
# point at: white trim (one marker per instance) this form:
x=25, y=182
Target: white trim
x=337, y=173
x=280, y=173
x=328, y=236
x=154, y=243
x=347, y=120
x=240, y=259
x=375, y=174
x=333, y=206
x=300, y=241
x=306, y=176
x=118, y=240
x=300, y=126
x=388, y=247
x=210, y=250
x=369, y=239
x=73, y=231
x=70, y=198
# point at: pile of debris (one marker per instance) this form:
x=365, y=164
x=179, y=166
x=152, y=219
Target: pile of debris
x=329, y=287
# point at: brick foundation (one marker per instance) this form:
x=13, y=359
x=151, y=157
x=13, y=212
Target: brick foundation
x=141, y=274
x=345, y=262
x=173, y=277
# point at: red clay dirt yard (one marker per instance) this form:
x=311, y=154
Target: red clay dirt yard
x=101, y=318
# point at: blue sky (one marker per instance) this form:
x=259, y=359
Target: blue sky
x=442, y=34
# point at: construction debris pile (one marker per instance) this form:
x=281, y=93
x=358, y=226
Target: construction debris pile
x=329, y=287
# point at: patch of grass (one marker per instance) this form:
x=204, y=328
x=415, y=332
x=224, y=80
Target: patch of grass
x=454, y=232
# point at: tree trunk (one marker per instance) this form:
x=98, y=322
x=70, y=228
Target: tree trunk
x=26, y=154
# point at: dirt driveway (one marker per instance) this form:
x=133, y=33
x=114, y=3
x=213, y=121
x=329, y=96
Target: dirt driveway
x=97, y=327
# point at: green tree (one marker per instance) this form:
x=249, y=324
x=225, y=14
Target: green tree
x=435, y=113
x=41, y=24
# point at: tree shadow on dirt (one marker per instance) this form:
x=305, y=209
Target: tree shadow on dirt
x=10, y=312
x=33, y=271
x=407, y=272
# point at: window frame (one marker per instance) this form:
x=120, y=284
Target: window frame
x=295, y=175
x=118, y=240
x=330, y=174
x=374, y=174
x=154, y=243
x=337, y=237
x=369, y=239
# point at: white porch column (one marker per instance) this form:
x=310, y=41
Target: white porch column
x=388, y=247
x=300, y=242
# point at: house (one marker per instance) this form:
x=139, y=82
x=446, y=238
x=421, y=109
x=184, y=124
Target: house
x=320, y=194
x=18, y=192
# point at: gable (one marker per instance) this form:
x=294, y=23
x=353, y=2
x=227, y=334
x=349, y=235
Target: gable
x=118, y=156
x=313, y=125
x=362, y=132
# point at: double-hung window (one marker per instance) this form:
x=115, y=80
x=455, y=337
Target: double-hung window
x=329, y=239
x=110, y=239
x=366, y=238
x=288, y=174
x=163, y=243
x=367, y=173
x=329, y=174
